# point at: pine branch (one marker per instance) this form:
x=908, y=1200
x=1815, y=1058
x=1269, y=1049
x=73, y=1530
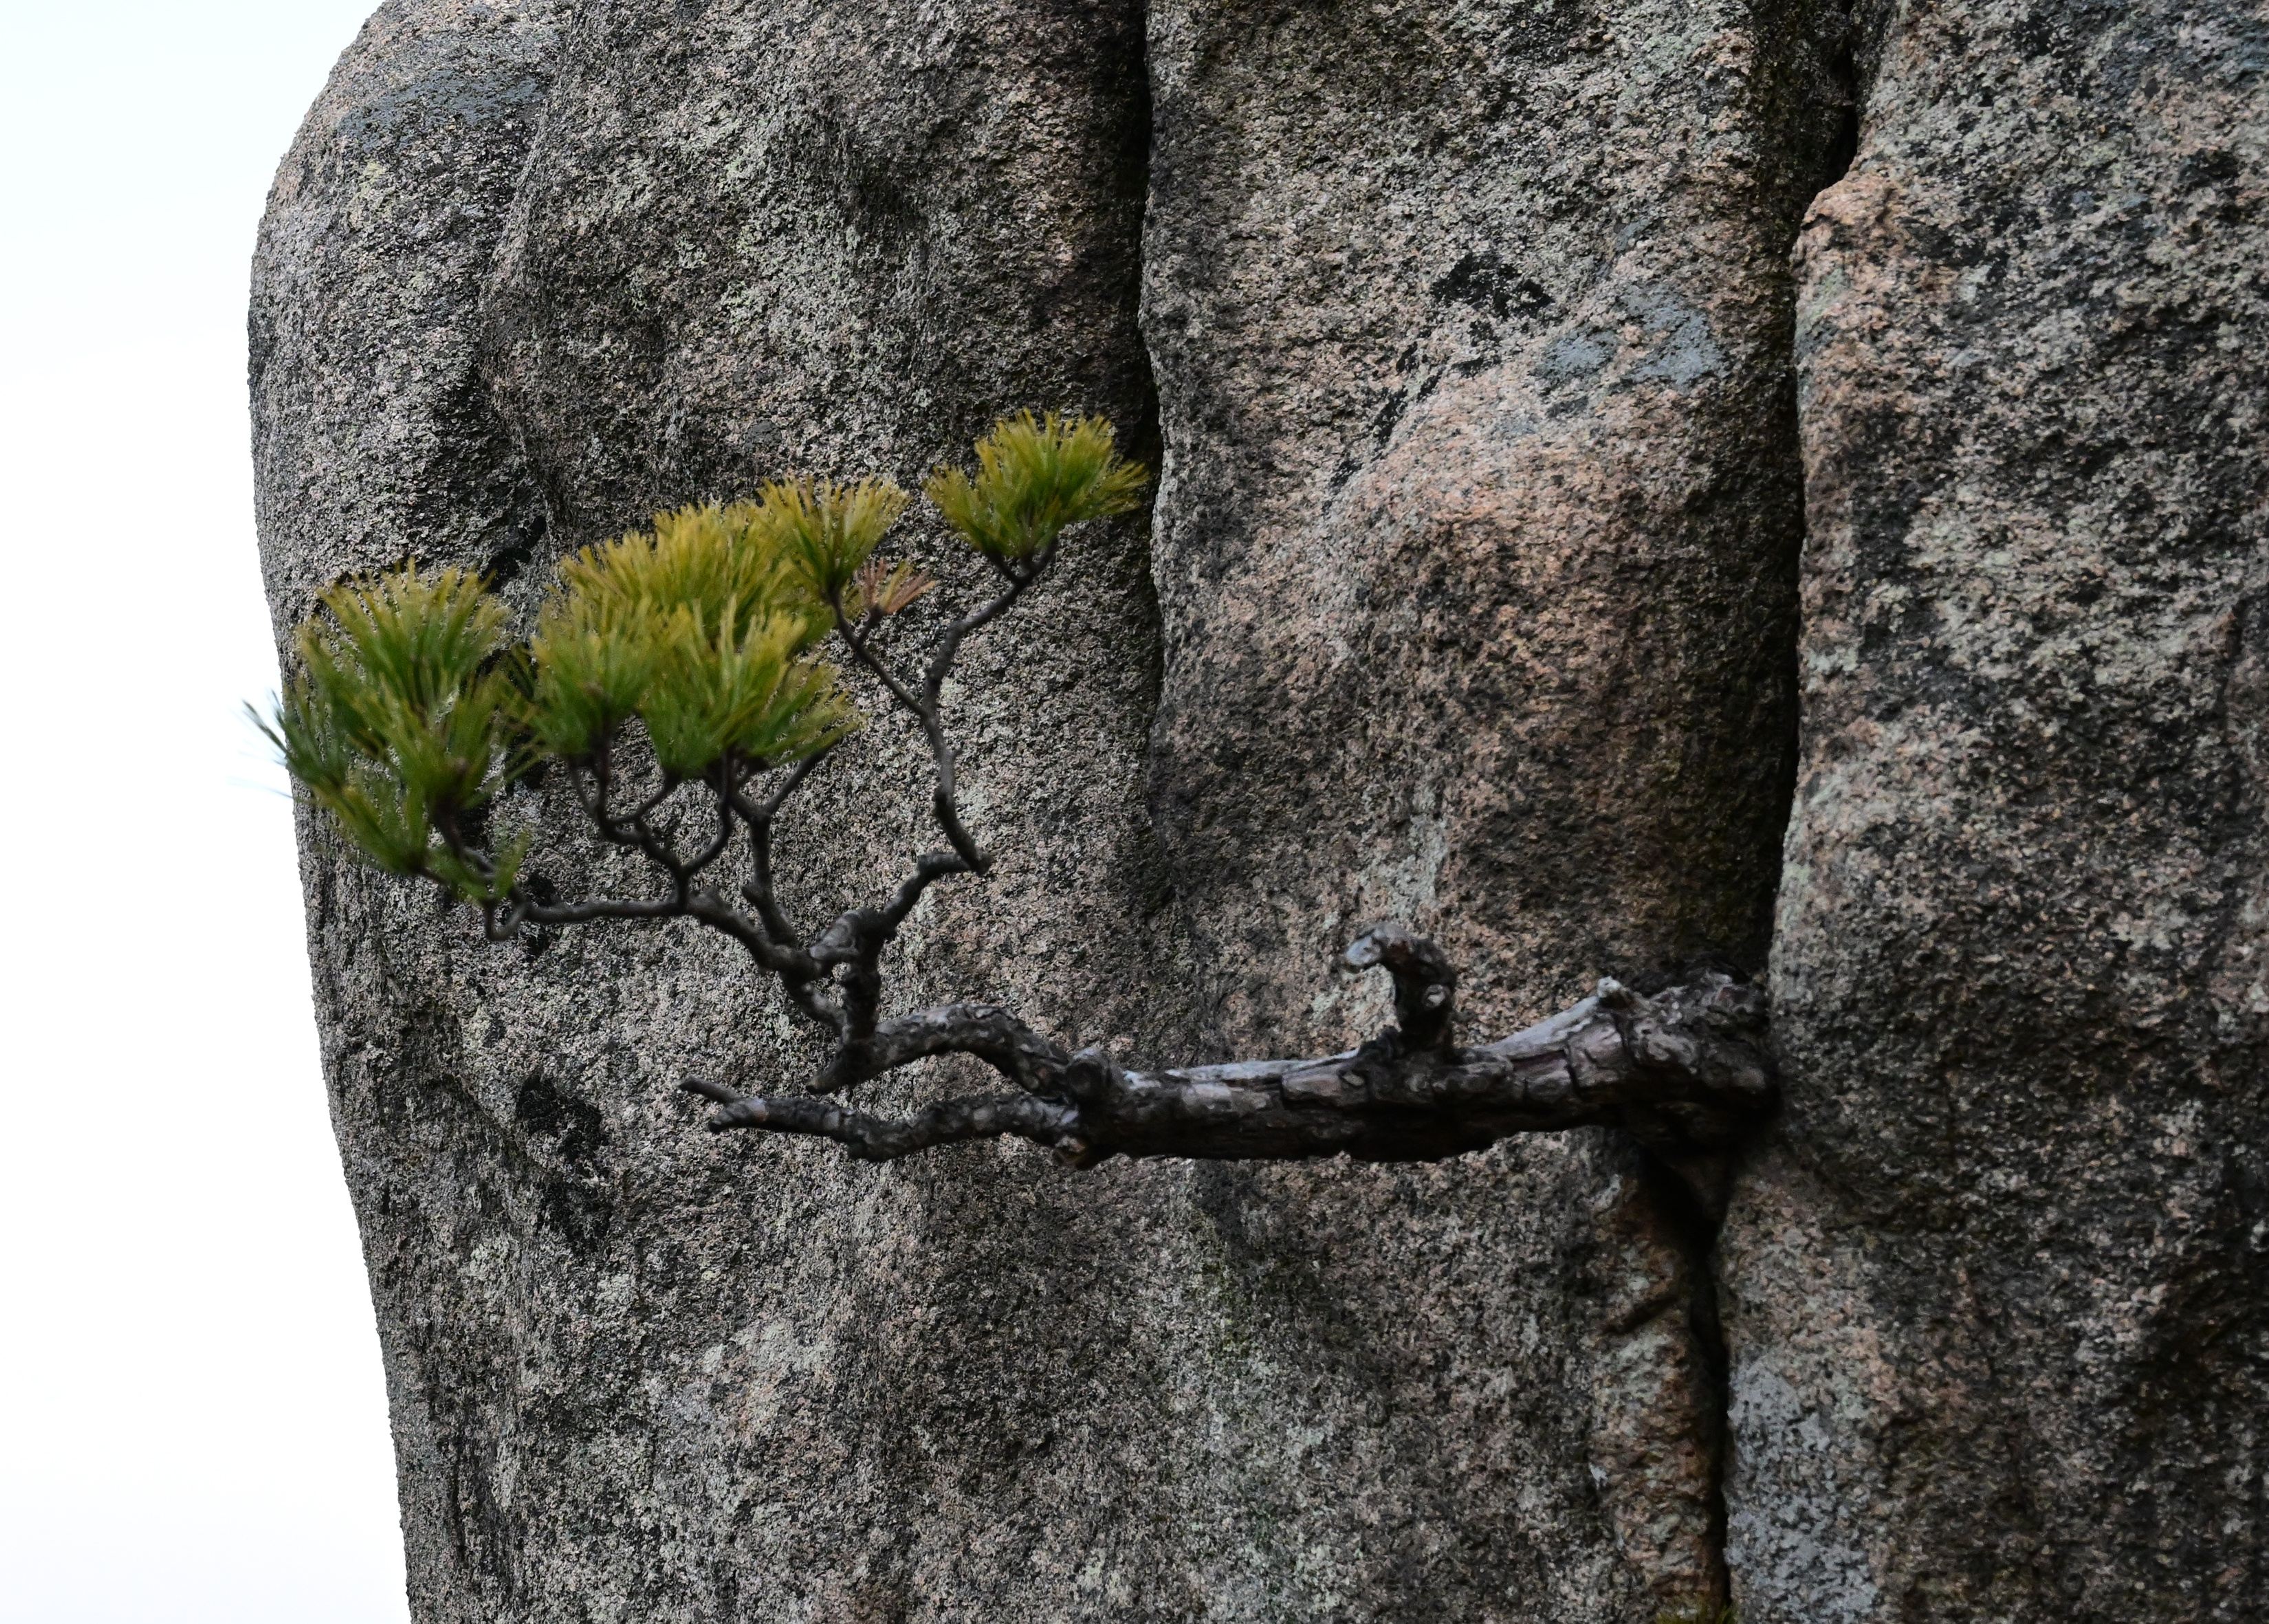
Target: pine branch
x=1686, y=1071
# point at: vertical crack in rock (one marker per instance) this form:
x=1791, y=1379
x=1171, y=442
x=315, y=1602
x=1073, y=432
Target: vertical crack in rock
x=1465, y=344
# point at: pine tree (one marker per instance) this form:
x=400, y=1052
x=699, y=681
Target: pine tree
x=676, y=676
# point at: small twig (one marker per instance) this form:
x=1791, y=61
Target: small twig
x=1425, y=983
x=769, y=809
x=723, y=838
x=885, y=1139
x=929, y=867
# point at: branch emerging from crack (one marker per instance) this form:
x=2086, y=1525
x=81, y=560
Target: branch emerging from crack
x=1686, y=1071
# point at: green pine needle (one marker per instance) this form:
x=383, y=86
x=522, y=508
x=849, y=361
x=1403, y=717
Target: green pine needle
x=723, y=691
x=395, y=722
x=827, y=532
x=701, y=628
x=1036, y=477
x=410, y=711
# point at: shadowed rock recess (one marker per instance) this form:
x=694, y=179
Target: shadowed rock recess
x=1496, y=359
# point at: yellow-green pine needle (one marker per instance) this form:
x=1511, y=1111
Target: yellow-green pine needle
x=393, y=721
x=1036, y=477
x=827, y=532
x=612, y=633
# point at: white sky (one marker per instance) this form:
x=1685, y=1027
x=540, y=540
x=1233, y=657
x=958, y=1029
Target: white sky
x=192, y=1421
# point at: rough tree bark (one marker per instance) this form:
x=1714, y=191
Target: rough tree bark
x=1686, y=1073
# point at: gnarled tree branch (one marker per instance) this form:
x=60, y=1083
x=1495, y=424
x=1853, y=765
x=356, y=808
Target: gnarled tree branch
x=1686, y=1071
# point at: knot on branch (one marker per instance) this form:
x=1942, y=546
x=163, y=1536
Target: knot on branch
x=1425, y=984
x=1692, y=1059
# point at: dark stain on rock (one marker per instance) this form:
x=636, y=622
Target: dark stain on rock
x=1483, y=280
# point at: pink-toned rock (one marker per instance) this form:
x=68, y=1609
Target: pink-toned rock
x=1996, y=1299
x=1476, y=550
x=1525, y=469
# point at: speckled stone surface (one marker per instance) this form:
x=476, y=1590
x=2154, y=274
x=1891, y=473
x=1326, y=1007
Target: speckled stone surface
x=1476, y=552
x=1493, y=412
x=1477, y=542
x=1999, y=1298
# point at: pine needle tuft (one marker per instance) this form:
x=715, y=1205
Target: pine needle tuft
x=394, y=721
x=827, y=532
x=411, y=709
x=701, y=627
x=1037, y=477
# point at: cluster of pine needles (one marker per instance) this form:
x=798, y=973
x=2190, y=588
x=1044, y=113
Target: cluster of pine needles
x=412, y=706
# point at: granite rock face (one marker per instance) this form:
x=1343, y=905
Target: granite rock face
x=1997, y=1297
x=1495, y=372
x=1477, y=539
x=639, y=1373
